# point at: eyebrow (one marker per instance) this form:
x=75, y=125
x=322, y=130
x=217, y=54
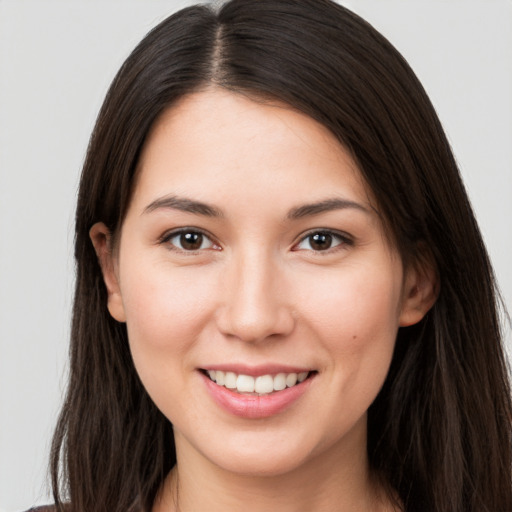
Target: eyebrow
x=324, y=206
x=183, y=204
x=199, y=208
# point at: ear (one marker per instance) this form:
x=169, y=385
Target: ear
x=421, y=289
x=102, y=241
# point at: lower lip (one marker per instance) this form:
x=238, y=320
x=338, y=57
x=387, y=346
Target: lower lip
x=253, y=406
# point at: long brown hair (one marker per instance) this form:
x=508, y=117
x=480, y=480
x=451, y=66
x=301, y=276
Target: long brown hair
x=439, y=432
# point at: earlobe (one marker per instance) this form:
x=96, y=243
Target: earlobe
x=101, y=240
x=421, y=290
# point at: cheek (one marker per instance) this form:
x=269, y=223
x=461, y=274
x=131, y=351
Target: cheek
x=165, y=312
x=360, y=303
x=356, y=320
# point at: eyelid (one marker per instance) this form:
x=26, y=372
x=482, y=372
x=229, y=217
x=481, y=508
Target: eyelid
x=169, y=235
x=345, y=240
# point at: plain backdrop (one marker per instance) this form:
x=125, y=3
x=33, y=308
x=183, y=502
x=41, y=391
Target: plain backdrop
x=57, y=59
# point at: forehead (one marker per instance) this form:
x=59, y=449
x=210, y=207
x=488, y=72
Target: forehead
x=222, y=146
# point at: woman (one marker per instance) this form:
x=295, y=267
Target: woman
x=282, y=294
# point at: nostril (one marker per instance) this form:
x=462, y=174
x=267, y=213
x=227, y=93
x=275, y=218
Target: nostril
x=254, y=324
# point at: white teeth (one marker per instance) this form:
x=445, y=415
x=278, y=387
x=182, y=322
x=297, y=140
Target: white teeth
x=302, y=376
x=291, y=380
x=280, y=382
x=244, y=384
x=219, y=378
x=262, y=385
x=230, y=380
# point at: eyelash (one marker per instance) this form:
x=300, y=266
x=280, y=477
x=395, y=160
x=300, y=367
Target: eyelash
x=343, y=240
x=166, y=239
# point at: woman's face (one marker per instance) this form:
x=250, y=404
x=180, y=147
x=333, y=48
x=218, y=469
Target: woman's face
x=251, y=254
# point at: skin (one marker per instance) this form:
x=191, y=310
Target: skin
x=257, y=291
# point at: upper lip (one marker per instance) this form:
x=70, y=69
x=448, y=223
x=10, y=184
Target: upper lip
x=257, y=370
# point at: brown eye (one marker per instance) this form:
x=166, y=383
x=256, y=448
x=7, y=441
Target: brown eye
x=319, y=241
x=190, y=241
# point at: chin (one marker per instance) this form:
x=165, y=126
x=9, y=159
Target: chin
x=254, y=465
x=275, y=454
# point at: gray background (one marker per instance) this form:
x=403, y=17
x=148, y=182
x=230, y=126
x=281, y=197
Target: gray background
x=57, y=59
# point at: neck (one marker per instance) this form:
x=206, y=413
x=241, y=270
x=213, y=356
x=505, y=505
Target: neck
x=338, y=479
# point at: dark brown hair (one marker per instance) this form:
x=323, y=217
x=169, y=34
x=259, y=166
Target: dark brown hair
x=439, y=432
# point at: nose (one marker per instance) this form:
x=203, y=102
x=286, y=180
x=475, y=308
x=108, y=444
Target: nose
x=256, y=303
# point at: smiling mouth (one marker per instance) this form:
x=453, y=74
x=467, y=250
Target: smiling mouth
x=258, y=386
